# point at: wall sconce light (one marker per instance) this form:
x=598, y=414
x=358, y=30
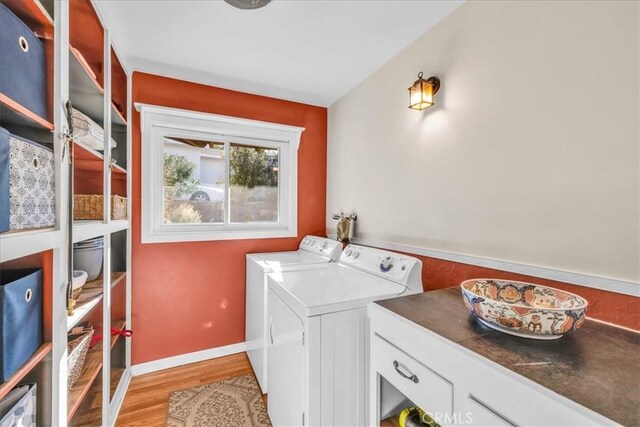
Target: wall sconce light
x=422, y=91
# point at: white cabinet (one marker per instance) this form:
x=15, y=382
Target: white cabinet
x=317, y=366
x=412, y=366
x=286, y=368
x=343, y=368
x=424, y=387
x=482, y=415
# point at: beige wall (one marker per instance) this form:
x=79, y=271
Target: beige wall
x=532, y=154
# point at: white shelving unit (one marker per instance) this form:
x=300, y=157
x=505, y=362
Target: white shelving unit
x=83, y=230
x=22, y=244
x=73, y=30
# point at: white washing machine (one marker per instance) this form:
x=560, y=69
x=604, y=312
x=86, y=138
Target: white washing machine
x=318, y=335
x=314, y=252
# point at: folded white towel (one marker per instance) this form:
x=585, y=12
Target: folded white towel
x=88, y=132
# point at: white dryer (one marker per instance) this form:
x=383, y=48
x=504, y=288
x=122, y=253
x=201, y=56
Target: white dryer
x=318, y=334
x=314, y=252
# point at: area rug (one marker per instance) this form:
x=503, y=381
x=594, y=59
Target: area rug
x=227, y=403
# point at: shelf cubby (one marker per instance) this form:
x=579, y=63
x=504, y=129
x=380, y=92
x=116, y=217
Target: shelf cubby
x=118, y=366
x=35, y=15
x=118, y=299
x=90, y=412
x=88, y=179
x=118, y=89
x=392, y=403
x=119, y=129
x=42, y=352
x=86, y=92
x=90, y=297
x=86, y=35
x=119, y=154
x=86, y=64
x=37, y=369
x=14, y=115
x=43, y=260
x=89, y=160
x=119, y=251
x=90, y=371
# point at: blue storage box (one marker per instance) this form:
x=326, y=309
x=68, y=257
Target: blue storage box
x=4, y=180
x=23, y=67
x=20, y=318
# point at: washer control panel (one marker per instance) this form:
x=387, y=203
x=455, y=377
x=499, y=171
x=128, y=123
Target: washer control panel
x=386, y=264
x=390, y=265
x=321, y=246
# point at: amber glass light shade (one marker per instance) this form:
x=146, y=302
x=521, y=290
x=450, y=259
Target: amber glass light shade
x=422, y=91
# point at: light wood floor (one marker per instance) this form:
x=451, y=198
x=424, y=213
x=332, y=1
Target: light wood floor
x=147, y=398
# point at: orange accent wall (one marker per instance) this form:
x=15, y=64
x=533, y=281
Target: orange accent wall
x=191, y=296
x=610, y=307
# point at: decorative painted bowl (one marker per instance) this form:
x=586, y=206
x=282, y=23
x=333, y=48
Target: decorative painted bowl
x=524, y=309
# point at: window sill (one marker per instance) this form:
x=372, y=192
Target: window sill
x=195, y=235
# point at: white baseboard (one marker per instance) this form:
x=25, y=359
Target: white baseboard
x=185, y=359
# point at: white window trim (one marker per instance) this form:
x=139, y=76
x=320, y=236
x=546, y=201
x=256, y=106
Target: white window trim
x=157, y=121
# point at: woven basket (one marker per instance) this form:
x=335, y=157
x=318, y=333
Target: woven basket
x=76, y=292
x=77, y=348
x=91, y=206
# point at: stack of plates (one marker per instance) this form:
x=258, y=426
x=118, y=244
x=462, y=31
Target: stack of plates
x=96, y=242
x=87, y=256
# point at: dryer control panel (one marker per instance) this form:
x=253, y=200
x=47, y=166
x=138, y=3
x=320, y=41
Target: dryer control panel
x=321, y=246
x=403, y=269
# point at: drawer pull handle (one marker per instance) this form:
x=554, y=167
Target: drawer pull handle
x=411, y=377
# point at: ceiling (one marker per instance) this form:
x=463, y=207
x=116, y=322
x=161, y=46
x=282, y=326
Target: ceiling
x=310, y=51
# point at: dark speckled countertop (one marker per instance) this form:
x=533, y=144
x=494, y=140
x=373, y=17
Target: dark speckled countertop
x=598, y=366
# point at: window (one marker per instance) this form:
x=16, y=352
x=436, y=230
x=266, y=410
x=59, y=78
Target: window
x=210, y=177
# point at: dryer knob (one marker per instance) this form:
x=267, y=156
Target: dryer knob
x=324, y=246
x=347, y=252
x=356, y=255
x=386, y=264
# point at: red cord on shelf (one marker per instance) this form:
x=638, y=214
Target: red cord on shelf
x=124, y=332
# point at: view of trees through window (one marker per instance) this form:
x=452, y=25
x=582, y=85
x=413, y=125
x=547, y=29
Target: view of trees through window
x=195, y=187
x=253, y=180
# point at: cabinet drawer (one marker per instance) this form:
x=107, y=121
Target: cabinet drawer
x=479, y=414
x=424, y=387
